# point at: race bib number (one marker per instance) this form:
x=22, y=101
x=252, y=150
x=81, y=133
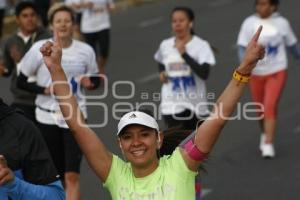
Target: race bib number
x=176, y=67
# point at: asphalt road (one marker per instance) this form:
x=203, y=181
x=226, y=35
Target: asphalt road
x=235, y=170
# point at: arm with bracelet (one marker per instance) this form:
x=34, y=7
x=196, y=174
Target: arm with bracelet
x=196, y=149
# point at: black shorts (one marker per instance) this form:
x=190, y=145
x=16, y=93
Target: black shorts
x=99, y=41
x=63, y=148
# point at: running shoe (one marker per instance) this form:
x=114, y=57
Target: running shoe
x=268, y=151
x=262, y=141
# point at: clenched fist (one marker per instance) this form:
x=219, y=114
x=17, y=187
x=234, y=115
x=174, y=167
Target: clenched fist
x=52, y=53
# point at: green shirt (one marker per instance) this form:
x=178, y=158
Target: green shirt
x=172, y=180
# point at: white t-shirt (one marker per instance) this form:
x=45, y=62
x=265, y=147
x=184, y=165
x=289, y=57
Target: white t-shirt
x=184, y=90
x=78, y=59
x=276, y=34
x=97, y=18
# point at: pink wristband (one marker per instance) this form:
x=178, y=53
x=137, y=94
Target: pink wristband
x=198, y=187
x=194, y=152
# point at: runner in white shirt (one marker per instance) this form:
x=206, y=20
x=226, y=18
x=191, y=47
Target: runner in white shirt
x=78, y=59
x=269, y=77
x=95, y=26
x=184, y=62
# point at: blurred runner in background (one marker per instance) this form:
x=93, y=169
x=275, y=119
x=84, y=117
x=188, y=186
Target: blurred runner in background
x=269, y=77
x=79, y=63
x=14, y=49
x=95, y=26
x=184, y=64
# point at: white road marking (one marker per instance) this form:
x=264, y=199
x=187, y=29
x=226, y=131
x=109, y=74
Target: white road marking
x=150, y=22
x=205, y=192
x=148, y=78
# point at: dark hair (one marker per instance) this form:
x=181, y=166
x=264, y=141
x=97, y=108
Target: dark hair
x=23, y=5
x=272, y=2
x=172, y=138
x=60, y=7
x=189, y=13
x=147, y=111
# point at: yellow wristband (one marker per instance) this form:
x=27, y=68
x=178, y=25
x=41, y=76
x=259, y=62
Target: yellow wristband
x=241, y=78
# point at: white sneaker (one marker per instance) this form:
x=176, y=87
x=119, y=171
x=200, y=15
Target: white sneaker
x=268, y=151
x=262, y=141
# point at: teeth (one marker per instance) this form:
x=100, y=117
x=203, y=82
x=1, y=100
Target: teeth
x=138, y=153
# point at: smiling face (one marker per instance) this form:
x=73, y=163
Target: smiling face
x=181, y=24
x=264, y=8
x=139, y=145
x=63, y=23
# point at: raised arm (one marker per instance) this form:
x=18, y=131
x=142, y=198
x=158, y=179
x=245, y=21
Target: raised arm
x=208, y=133
x=99, y=158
